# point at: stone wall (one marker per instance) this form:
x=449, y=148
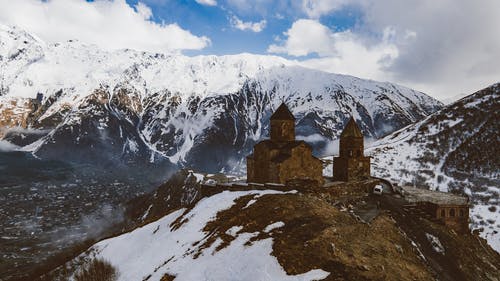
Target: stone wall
x=282, y=130
x=301, y=165
x=453, y=216
x=298, y=162
x=260, y=165
x=351, y=169
x=351, y=147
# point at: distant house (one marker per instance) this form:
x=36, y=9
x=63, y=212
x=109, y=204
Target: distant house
x=449, y=209
x=351, y=164
x=282, y=158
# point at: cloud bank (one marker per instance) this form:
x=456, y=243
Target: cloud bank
x=317, y=8
x=443, y=48
x=110, y=24
x=339, y=52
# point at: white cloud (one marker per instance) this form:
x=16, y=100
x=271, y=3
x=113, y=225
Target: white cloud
x=207, y=2
x=144, y=11
x=263, y=8
x=110, y=24
x=453, y=47
x=305, y=37
x=443, y=48
x=312, y=138
x=317, y=8
x=252, y=26
x=340, y=52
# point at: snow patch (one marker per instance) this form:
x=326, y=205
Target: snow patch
x=234, y=230
x=435, y=243
x=274, y=226
x=249, y=203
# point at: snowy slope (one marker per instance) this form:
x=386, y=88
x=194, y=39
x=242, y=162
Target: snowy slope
x=204, y=112
x=163, y=247
x=276, y=235
x=30, y=66
x=455, y=150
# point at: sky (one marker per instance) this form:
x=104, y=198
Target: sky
x=444, y=48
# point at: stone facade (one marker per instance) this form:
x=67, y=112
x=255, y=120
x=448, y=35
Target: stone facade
x=351, y=165
x=454, y=216
x=282, y=158
x=446, y=208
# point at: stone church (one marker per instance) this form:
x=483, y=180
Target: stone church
x=351, y=165
x=282, y=158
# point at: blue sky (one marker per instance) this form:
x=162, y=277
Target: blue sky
x=443, y=48
x=215, y=22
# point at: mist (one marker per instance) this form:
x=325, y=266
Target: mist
x=30, y=131
x=91, y=226
x=331, y=148
x=6, y=146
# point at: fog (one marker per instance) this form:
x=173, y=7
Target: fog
x=6, y=146
x=90, y=226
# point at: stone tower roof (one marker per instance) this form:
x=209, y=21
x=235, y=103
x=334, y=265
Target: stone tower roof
x=351, y=130
x=282, y=113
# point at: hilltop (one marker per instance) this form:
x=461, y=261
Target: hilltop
x=288, y=235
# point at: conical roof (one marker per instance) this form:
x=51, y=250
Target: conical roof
x=282, y=113
x=351, y=130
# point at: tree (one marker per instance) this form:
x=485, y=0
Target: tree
x=97, y=270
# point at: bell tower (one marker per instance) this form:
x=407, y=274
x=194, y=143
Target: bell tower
x=282, y=125
x=351, y=140
x=351, y=164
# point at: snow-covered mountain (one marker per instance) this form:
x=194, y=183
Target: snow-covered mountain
x=204, y=112
x=455, y=150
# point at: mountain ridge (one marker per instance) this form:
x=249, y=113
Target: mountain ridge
x=176, y=108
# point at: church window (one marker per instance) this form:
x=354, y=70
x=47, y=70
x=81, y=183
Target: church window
x=452, y=212
x=461, y=213
x=443, y=213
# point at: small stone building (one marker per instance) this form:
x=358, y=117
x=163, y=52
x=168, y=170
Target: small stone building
x=449, y=209
x=282, y=158
x=351, y=165
x=454, y=216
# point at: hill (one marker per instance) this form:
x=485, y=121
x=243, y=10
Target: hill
x=453, y=150
x=290, y=235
